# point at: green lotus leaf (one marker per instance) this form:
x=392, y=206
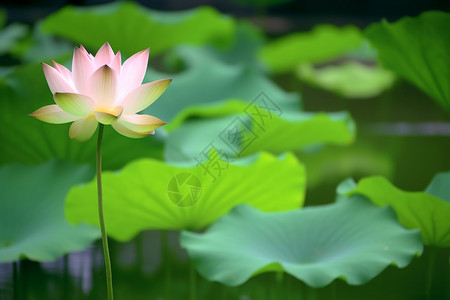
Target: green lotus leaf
x=323, y=43
x=207, y=80
x=424, y=210
x=236, y=128
x=352, y=240
x=10, y=35
x=32, y=223
x=31, y=141
x=350, y=79
x=150, y=194
x=417, y=49
x=130, y=28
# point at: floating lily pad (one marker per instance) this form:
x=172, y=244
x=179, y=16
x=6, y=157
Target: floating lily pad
x=424, y=210
x=350, y=79
x=130, y=27
x=32, y=223
x=31, y=141
x=352, y=240
x=149, y=194
x=208, y=80
x=321, y=44
x=417, y=49
x=238, y=129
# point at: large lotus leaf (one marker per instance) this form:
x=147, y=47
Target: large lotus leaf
x=207, y=80
x=32, y=223
x=130, y=28
x=150, y=194
x=350, y=79
x=351, y=240
x=236, y=128
x=322, y=43
x=25, y=139
x=425, y=211
x=417, y=49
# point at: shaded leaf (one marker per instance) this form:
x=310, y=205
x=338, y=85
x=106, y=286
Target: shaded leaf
x=130, y=27
x=352, y=240
x=417, y=49
x=10, y=35
x=149, y=194
x=414, y=209
x=350, y=79
x=208, y=80
x=32, y=223
x=322, y=43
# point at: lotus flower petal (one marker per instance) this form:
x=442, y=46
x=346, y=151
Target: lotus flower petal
x=82, y=68
x=56, y=81
x=82, y=130
x=108, y=117
x=75, y=104
x=64, y=72
x=144, y=95
x=104, y=55
x=128, y=132
x=53, y=114
x=116, y=63
x=140, y=123
x=103, y=87
x=133, y=71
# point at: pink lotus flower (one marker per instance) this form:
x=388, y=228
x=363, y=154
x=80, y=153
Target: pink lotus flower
x=100, y=89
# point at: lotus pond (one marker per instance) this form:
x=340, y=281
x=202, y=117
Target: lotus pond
x=307, y=164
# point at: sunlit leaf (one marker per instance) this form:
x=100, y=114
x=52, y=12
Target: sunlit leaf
x=27, y=140
x=130, y=27
x=32, y=223
x=322, y=43
x=352, y=240
x=237, y=129
x=350, y=79
x=417, y=49
x=149, y=194
x=423, y=210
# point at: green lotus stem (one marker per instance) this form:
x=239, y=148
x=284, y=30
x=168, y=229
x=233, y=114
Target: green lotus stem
x=16, y=280
x=431, y=262
x=167, y=263
x=192, y=283
x=100, y=215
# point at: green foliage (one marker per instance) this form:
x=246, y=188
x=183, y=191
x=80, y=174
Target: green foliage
x=31, y=141
x=130, y=28
x=417, y=49
x=208, y=80
x=350, y=79
x=141, y=195
x=32, y=223
x=352, y=240
x=429, y=211
x=10, y=35
x=323, y=43
x=238, y=129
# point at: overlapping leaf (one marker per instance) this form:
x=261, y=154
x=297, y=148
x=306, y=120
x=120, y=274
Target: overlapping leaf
x=131, y=28
x=429, y=211
x=240, y=129
x=352, y=240
x=149, y=194
x=32, y=223
x=322, y=43
x=417, y=49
